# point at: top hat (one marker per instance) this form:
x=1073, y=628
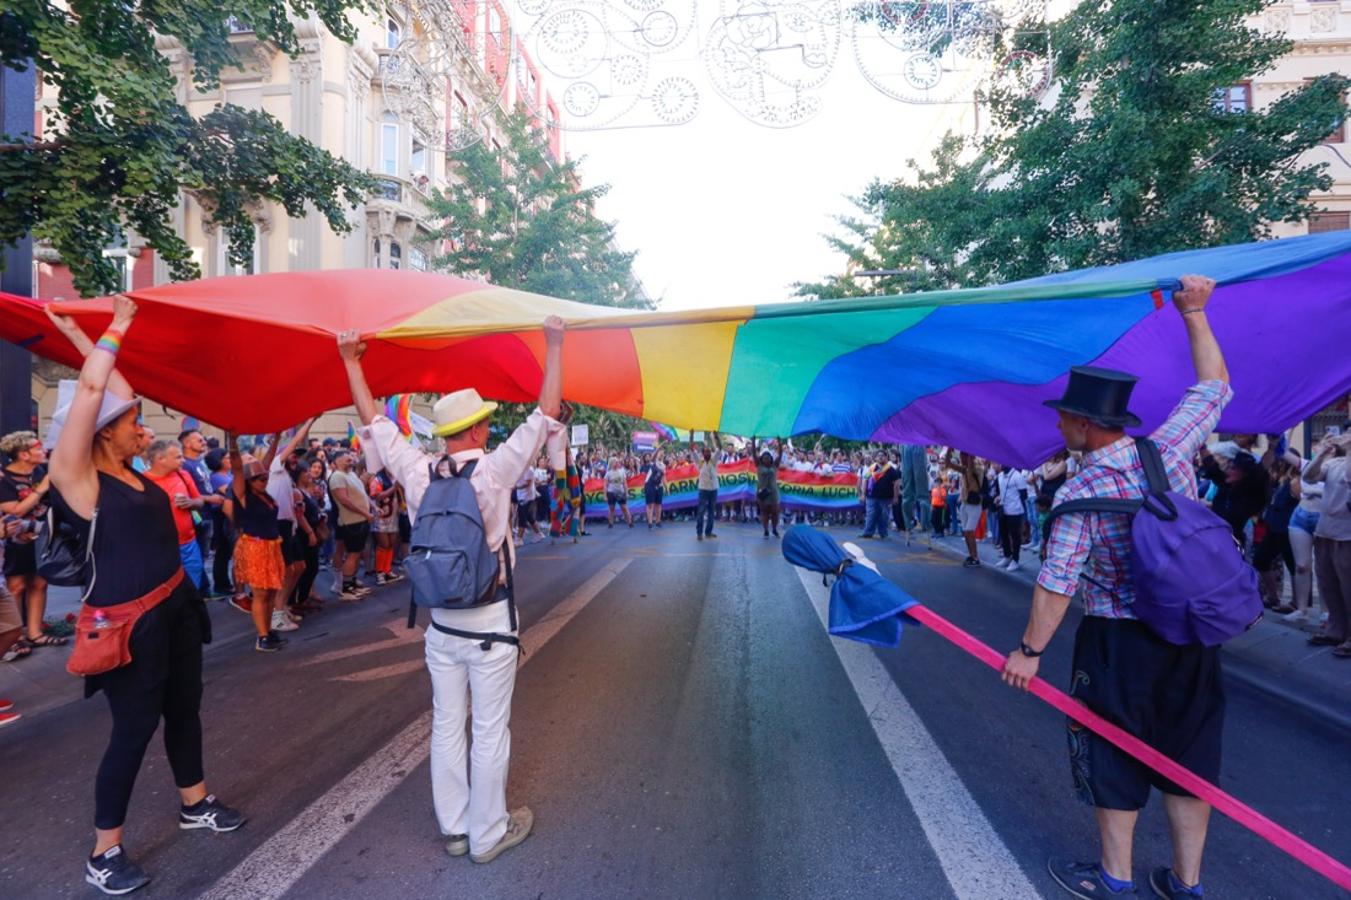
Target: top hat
x=1101, y=395
x=455, y=412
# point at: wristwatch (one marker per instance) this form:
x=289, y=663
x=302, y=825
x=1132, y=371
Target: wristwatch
x=1029, y=652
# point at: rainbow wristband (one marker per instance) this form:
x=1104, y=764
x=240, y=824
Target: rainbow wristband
x=111, y=341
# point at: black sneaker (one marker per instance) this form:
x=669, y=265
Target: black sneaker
x=1166, y=885
x=269, y=644
x=210, y=813
x=971, y=563
x=1084, y=880
x=114, y=873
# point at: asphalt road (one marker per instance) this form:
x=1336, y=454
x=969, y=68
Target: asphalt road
x=683, y=727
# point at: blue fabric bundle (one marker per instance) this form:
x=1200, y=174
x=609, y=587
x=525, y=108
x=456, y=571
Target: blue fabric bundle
x=864, y=606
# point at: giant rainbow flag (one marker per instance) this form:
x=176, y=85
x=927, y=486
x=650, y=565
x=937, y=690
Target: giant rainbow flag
x=963, y=368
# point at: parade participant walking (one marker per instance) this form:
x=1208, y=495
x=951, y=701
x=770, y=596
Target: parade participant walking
x=706, y=511
x=617, y=491
x=11, y=625
x=166, y=470
x=968, y=513
x=882, y=491
x=767, y=485
x=137, y=584
x=259, y=564
x=1169, y=695
x=281, y=485
x=23, y=493
x=654, y=488
x=1012, y=505
x=473, y=813
x=354, y=517
x=1331, y=467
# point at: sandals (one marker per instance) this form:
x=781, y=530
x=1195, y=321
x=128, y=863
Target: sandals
x=45, y=640
x=17, y=652
x=1343, y=650
x=1324, y=640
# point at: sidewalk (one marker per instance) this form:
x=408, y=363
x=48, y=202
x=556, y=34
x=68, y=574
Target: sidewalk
x=1273, y=657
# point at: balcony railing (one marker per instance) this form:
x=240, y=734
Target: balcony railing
x=387, y=188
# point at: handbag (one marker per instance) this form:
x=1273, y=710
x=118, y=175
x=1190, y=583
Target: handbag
x=63, y=558
x=103, y=633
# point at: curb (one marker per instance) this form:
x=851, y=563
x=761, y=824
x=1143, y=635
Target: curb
x=1236, y=666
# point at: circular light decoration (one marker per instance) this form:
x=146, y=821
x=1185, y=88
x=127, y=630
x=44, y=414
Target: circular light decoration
x=597, y=76
x=1024, y=72
x=675, y=100
x=765, y=56
x=935, y=52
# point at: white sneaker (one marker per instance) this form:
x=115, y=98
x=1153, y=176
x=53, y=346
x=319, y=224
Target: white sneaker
x=281, y=622
x=1012, y=566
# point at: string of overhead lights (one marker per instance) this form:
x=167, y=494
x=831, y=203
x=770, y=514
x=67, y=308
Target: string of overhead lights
x=647, y=63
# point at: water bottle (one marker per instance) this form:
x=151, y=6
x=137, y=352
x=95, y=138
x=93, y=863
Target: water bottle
x=101, y=620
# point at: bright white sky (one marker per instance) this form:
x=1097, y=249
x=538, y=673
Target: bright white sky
x=723, y=211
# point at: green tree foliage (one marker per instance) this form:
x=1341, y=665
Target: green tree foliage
x=121, y=147
x=520, y=219
x=1134, y=154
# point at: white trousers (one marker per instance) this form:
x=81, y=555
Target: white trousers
x=460, y=668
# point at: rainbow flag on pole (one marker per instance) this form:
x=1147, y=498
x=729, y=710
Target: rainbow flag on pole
x=398, y=409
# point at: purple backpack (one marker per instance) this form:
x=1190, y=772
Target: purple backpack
x=1192, y=584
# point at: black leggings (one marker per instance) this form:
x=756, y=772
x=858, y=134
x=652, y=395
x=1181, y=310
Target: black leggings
x=223, y=545
x=1011, y=535
x=311, y=557
x=163, y=680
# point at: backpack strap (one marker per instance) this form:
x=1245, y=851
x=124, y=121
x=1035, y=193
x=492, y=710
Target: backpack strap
x=1156, y=473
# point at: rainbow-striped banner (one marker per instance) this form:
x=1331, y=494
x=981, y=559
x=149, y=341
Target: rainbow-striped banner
x=736, y=481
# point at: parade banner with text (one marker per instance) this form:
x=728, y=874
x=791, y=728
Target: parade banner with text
x=736, y=482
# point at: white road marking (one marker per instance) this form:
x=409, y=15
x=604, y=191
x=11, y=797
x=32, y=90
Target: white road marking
x=974, y=858
x=390, y=671
x=402, y=636
x=284, y=858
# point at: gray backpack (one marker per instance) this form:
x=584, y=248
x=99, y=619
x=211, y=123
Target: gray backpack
x=449, y=562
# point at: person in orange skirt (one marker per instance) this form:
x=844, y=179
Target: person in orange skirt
x=258, y=559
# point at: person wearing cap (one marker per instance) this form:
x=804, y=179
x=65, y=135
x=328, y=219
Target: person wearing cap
x=472, y=814
x=1168, y=695
x=96, y=432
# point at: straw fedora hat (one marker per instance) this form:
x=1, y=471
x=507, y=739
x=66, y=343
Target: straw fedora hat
x=455, y=412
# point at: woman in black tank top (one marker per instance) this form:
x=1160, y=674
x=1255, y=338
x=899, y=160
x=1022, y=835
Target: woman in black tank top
x=135, y=550
x=258, y=557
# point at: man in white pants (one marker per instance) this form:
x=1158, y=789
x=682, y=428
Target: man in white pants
x=472, y=814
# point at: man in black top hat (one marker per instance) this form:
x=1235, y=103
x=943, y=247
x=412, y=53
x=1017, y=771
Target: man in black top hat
x=1167, y=695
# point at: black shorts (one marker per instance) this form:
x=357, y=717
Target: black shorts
x=1276, y=545
x=615, y=499
x=354, y=536
x=525, y=513
x=1170, y=697
x=405, y=529
x=21, y=558
x=653, y=495
x=289, y=551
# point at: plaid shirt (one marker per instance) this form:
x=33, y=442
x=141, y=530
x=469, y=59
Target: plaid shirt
x=1097, y=546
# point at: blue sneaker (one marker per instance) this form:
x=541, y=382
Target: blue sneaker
x=1085, y=880
x=1166, y=885
x=210, y=813
x=114, y=873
